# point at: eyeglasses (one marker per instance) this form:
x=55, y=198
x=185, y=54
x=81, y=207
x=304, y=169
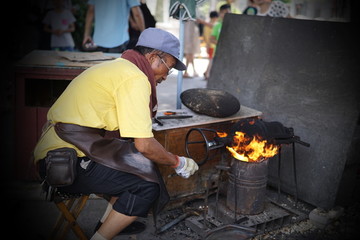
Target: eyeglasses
x=169, y=69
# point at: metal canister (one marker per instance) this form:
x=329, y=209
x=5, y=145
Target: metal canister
x=247, y=186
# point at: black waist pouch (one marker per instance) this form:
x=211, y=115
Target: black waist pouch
x=61, y=167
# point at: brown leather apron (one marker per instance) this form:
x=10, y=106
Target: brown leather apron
x=115, y=153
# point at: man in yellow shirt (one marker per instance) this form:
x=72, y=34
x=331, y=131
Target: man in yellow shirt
x=118, y=95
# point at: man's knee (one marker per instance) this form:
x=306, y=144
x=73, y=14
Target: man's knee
x=139, y=202
x=150, y=191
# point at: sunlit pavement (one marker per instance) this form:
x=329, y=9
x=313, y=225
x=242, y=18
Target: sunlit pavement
x=167, y=90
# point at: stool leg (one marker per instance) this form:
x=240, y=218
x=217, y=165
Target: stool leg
x=70, y=216
x=59, y=222
x=75, y=212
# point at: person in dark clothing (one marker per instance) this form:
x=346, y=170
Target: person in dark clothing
x=251, y=9
x=134, y=33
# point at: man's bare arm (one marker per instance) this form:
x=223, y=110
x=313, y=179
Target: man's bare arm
x=138, y=18
x=153, y=150
x=88, y=23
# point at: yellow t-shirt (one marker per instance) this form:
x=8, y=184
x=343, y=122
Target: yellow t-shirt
x=113, y=95
x=207, y=35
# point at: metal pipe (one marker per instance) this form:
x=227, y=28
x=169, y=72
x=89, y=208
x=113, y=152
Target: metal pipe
x=295, y=178
x=278, y=173
x=176, y=221
x=180, y=73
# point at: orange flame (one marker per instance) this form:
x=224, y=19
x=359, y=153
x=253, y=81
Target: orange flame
x=251, y=150
x=221, y=134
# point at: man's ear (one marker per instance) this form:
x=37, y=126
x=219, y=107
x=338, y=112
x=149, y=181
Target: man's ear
x=151, y=56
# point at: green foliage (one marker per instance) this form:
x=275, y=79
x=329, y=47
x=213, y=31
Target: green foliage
x=80, y=8
x=286, y=1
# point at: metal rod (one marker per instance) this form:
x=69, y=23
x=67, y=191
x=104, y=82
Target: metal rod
x=180, y=73
x=205, y=212
x=297, y=140
x=176, y=220
x=279, y=175
x=217, y=194
x=221, y=167
x=195, y=142
x=235, y=186
x=295, y=178
x=158, y=121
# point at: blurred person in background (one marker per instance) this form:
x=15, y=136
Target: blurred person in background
x=272, y=8
x=215, y=34
x=134, y=29
x=60, y=23
x=234, y=8
x=210, y=47
x=251, y=9
x=111, y=23
x=191, y=46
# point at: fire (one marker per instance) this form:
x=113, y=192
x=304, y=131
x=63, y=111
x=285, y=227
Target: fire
x=221, y=134
x=251, y=150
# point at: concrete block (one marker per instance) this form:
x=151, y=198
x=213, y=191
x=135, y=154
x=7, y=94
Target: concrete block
x=321, y=218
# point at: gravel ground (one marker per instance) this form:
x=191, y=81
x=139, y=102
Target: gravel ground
x=35, y=217
x=346, y=227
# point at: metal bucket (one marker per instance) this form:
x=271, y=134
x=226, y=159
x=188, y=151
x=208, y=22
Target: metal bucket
x=247, y=186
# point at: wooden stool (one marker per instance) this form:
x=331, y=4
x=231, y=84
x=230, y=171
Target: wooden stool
x=70, y=207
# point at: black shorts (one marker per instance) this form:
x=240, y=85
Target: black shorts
x=135, y=195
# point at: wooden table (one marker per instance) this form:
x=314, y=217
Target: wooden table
x=40, y=77
x=172, y=136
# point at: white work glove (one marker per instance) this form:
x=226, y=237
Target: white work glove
x=186, y=167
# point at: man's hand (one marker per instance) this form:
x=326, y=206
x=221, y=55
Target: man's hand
x=87, y=40
x=186, y=167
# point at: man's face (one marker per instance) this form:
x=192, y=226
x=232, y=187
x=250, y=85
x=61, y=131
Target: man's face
x=162, y=66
